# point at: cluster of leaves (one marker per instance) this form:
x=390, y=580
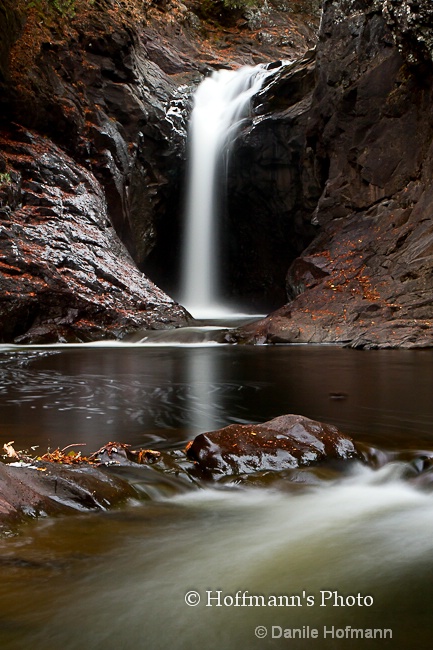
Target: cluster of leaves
x=225, y=11
x=240, y=4
x=114, y=452
x=63, y=7
x=62, y=456
x=5, y=178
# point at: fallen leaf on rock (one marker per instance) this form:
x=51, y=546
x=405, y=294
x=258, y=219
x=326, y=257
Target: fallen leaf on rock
x=9, y=450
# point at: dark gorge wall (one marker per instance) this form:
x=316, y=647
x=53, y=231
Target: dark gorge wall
x=82, y=107
x=273, y=186
x=359, y=149
x=94, y=85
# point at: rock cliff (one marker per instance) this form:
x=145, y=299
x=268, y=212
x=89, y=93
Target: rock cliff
x=351, y=157
x=94, y=100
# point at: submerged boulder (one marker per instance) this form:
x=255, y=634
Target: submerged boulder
x=65, y=481
x=286, y=442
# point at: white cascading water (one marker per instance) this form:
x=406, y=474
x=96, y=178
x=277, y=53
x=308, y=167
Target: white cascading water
x=369, y=533
x=221, y=102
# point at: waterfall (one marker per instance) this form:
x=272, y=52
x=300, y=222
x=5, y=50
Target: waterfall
x=221, y=103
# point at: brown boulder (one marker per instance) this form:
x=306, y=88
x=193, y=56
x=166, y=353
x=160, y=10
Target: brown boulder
x=42, y=489
x=286, y=442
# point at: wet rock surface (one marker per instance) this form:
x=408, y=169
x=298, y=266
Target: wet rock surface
x=359, y=148
x=64, y=275
x=65, y=481
x=271, y=185
x=286, y=442
x=84, y=175
x=46, y=489
x=290, y=453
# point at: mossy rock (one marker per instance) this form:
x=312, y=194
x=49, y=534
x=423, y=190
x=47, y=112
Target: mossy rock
x=225, y=12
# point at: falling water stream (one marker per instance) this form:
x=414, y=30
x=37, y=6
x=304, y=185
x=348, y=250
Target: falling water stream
x=221, y=103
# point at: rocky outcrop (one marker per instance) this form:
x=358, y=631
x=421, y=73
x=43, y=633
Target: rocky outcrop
x=360, y=148
x=34, y=490
x=94, y=103
x=65, y=481
x=286, y=442
x=90, y=85
x=86, y=84
x=64, y=275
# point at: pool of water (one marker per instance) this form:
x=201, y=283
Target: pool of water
x=163, y=395
x=119, y=579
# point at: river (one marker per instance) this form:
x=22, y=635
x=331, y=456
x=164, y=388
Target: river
x=118, y=579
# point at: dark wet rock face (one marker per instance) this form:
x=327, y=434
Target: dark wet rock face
x=69, y=209
x=268, y=169
x=286, y=442
x=64, y=275
x=364, y=143
x=97, y=91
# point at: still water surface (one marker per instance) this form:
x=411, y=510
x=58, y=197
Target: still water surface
x=118, y=579
x=161, y=396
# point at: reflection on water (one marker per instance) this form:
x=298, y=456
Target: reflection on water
x=119, y=580
x=202, y=377
x=162, y=396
